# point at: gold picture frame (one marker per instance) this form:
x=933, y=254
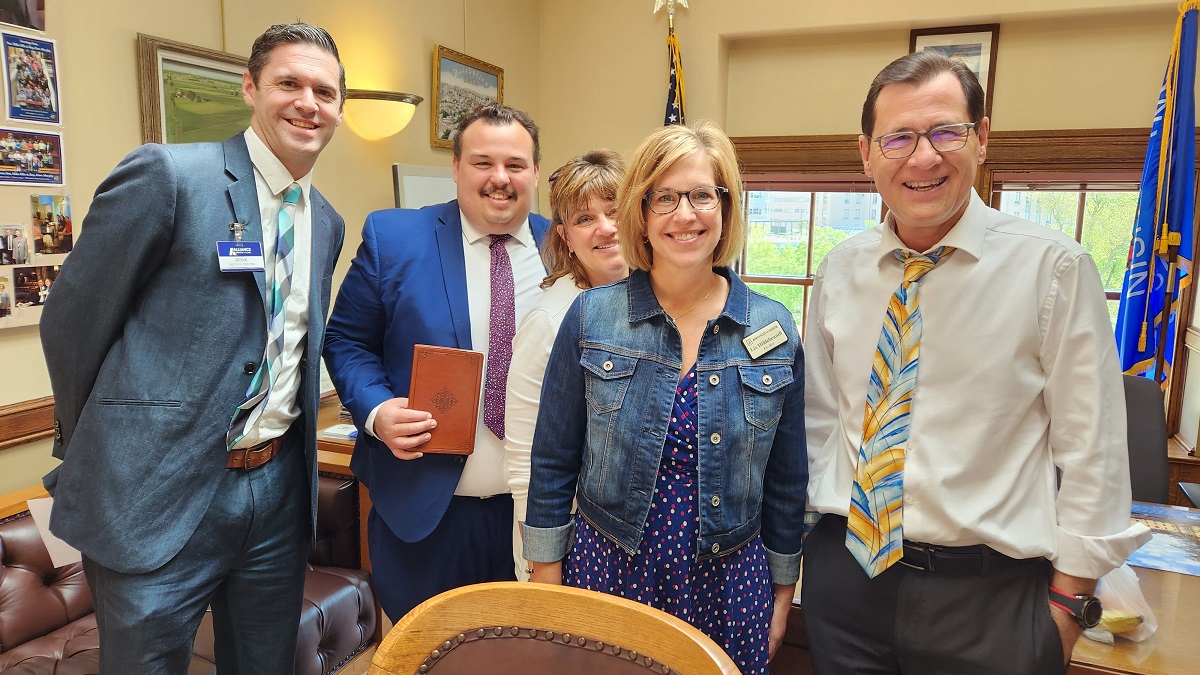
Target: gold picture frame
x=189, y=93
x=460, y=83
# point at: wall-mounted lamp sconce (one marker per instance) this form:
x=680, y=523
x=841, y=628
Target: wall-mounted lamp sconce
x=379, y=114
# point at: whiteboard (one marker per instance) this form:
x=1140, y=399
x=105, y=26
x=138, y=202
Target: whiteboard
x=417, y=185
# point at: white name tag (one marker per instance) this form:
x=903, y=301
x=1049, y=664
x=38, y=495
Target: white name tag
x=765, y=339
x=240, y=256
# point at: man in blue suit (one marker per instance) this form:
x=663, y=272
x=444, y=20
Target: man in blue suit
x=425, y=277
x=186, y=382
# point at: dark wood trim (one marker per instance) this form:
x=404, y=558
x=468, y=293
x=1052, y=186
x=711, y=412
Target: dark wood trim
x=807, y=154
x=26, y=421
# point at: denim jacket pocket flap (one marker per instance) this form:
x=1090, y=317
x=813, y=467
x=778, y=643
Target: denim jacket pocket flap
x=766, y=379
x=608, y=377
x=764, y=388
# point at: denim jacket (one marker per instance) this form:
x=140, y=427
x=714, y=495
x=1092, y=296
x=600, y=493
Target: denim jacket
x=606, y=401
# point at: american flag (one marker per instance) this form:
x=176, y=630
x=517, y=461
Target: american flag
x=675, y=91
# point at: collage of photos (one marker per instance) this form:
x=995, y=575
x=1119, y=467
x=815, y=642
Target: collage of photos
x=30, y=257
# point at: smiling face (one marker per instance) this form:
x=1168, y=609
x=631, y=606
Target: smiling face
x=591, y=234
x=296, y=104
x=685, y=238
x=496, y=175
x=926, y=192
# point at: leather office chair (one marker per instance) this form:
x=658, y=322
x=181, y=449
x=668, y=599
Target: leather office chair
x=1148, y=467
x=510, y=628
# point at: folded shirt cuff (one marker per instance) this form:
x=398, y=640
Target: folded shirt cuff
x=547, y=544
x=785, y=567
x=1093, y=557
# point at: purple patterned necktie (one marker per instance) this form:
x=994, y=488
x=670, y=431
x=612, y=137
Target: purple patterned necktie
x=501, y=328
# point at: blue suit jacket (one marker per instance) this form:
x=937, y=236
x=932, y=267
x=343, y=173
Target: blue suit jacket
x=407, y=286
x=147, y=344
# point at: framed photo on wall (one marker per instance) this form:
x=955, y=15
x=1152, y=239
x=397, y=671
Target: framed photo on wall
x=460, y=83
x=974, y=45
x=24, y=13
x=189, y=93
x=31, y=80
x=30, y=158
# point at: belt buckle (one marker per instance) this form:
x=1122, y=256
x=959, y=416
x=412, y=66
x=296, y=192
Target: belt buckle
x=924, y=548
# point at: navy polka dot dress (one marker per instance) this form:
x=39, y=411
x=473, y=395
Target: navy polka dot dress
x=728, y=598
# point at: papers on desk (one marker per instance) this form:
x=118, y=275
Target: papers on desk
x=1175, y=546
x=61, y=553
x=342, y=430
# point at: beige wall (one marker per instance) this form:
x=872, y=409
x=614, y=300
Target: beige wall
x=592, y=74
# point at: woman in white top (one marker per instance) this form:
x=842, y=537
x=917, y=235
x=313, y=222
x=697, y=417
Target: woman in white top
x=582, y=253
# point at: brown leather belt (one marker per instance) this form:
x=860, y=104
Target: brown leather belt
x=254, y=457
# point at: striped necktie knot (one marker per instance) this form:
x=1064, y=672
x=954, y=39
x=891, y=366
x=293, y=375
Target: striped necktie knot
x=917, y=265
x=292, y=196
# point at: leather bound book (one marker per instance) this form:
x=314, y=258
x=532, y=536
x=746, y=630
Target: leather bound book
x=446, y=383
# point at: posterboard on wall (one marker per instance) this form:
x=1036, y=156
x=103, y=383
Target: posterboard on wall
x=31, y=255
x=417, y=185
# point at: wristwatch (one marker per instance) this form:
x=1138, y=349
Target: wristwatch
x=1085, y=609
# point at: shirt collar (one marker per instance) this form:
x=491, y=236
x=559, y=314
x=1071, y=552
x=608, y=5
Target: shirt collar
x=966, y=235
x=273, y=173
x=522, y=233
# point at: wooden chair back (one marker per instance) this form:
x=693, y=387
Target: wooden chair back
x=526, y=628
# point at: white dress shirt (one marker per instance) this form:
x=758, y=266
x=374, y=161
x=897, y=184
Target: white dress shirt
x=271, y=180
x=484, y=473
x=531, y=352
x=1018, y=377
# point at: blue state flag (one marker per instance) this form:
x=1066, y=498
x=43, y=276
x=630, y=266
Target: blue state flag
x=1160, y=252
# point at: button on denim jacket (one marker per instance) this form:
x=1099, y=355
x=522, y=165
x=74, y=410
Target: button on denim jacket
x=606, y=401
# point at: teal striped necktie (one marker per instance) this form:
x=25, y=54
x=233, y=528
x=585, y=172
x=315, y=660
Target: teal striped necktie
x=259, y=391
x=874, y=526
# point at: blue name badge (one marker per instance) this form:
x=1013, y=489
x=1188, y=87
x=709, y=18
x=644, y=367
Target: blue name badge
x=240, y=256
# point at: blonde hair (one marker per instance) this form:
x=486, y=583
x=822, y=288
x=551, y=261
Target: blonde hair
x=595, y=174
x=655, y=156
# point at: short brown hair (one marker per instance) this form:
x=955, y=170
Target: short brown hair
x=293, y=33
x=595, y=174
x=497, y=115
x=917, y=69
x=657, y=154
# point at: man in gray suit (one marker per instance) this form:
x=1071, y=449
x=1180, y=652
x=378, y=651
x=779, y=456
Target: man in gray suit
x=20, y=248
x=155, y=342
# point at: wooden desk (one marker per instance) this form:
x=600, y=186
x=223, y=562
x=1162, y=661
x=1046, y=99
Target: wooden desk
x=1182, y=467
x=333, y=456
x=1174, y=648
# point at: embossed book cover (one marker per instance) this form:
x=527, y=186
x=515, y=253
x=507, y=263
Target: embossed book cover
x=446, y=382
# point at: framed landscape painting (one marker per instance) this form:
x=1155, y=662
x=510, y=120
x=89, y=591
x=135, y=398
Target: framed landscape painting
x=460, y=83
x=189, y=93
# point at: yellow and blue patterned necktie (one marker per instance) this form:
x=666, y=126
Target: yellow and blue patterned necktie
x=874, y=528
x=281, y=286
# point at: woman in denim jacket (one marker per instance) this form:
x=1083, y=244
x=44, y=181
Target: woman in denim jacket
x=673, y=409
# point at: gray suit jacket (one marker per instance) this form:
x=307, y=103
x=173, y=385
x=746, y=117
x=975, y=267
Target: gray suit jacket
x=148, y=343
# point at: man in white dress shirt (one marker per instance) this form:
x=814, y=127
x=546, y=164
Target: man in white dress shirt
x=1014, y=471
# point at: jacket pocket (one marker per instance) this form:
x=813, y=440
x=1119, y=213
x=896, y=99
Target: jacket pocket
x=607, y=379
x=763, y=390
x=139, y=402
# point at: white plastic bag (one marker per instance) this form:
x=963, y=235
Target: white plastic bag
x=1126, y=613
